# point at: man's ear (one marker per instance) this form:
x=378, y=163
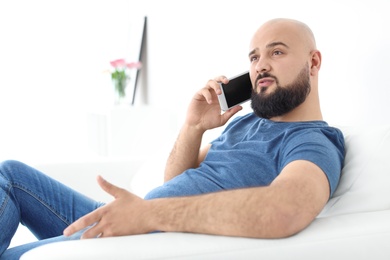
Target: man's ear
x=315, y=62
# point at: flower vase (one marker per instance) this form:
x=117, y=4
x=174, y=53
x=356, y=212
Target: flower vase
x=119, y=99
x=120, y=92
x=120, y=78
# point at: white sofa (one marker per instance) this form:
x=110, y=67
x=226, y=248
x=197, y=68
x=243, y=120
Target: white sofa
x=355, y=224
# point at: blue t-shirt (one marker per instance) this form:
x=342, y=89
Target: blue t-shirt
x=252, y=151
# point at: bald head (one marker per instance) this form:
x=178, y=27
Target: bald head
x=293, y=29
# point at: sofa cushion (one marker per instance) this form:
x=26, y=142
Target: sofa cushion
x=365, y=179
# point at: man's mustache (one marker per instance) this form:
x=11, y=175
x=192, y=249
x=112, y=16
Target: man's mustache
x=265, y=75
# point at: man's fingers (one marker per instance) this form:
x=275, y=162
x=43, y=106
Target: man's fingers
x=83, y=222
x=231, y=112
x=94, y=217
x=108, y=187
x=222, y=79
x=93, y=232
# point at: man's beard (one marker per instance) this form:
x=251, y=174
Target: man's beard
x=283, y=99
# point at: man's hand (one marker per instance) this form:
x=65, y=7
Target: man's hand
x=123, y=216
x=204, y=111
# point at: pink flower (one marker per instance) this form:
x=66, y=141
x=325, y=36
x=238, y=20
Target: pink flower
x=134, y=65
x=118, y=63
x=121, y=63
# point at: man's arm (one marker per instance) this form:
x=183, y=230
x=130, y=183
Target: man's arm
x=186, y=152
x=203, y=113
x=288, y=205
x=285, y=207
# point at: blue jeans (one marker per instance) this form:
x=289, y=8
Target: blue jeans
x=45, y=206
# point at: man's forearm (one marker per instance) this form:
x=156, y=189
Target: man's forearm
x=185, y=152
x=281, y=209
x=230, y=213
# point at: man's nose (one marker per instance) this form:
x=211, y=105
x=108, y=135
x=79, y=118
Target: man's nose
x=262, y=66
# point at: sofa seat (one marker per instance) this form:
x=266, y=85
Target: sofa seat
x=341, y=237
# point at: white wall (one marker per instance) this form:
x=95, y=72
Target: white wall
x=52, y=54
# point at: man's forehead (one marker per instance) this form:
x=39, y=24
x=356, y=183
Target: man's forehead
x=272, y=36
x=289, y=32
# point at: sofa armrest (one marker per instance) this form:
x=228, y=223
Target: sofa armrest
x=81, y=176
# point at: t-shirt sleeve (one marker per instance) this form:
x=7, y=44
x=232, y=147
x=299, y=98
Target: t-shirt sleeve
x=325, y=148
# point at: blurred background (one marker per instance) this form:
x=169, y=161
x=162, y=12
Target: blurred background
x=53, y=55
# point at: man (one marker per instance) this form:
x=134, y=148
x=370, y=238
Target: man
x=268, y=175
x=284, y=73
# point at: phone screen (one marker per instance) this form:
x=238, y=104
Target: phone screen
x=238, y=90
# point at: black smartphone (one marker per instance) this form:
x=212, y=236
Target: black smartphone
x=237, y=91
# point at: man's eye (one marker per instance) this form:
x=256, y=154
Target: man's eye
x=253, y=58
x=278, y=53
